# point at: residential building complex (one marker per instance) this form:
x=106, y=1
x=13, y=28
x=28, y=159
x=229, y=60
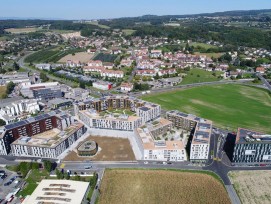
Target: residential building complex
x=95, y=113
x=252, y=147
x=46, y=135
x=201, y=129
x=154, y=142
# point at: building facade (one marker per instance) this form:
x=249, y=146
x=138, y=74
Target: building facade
x=201, y=129
x=252, y=147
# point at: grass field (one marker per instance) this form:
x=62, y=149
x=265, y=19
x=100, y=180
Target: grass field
x=81, y=56
x=2, y=91
x=203, y=45
x=252, y=186
x=229, y=106
x=212, y=54
x=32, y=181
x=100, y=25
x=128, y=31
x=160, y=187
x=199, y=75
x=112, y=149
x=21, y=30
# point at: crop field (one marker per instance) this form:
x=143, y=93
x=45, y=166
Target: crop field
x=128, y=31
x=203, y=45
x=2, y=91
x=200, y=75
x=212, y=54
x=159, y=187
x=105, y=57
x=100, y=25
x=111, y=149
x=228, y=106
x=21, y=30
x=252, y=186
x=83, y=57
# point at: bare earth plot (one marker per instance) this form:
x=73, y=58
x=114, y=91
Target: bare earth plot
x=112, y=149
x=160, y=187
x=252, y=186
x=83, y=57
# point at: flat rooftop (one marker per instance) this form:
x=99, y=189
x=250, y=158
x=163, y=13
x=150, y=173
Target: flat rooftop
x=58, y=191
x=249, y=136
x=50, y=138
x=121, y=117
x=149, y=143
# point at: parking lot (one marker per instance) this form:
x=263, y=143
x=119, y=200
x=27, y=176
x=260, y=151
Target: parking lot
x=9, y=183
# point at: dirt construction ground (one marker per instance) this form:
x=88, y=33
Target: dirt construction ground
x=112, y=149
x=160, y=187
x=252, y=186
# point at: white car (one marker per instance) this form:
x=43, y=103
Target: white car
x=146, y=162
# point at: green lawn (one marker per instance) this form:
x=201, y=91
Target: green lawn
x=229, y=106
x=200, y=75
x=203, y=45
x=211, y=54
x=32, y=182
x=128, y=31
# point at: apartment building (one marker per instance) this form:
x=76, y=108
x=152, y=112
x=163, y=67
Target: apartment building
x=25, y=129
x=154, y=147
x=201, y=129
x=252, y=147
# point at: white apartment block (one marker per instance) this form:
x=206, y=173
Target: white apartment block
x=50, y=144
x=124, y=122
x=148, y=112
x=18, y=109
x=200, y=145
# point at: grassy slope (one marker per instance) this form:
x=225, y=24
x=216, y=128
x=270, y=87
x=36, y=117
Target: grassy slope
x=204, y=76
x=230, y=106
x=160, y=186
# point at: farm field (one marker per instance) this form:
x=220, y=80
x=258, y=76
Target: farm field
x=112, y=149
x=100, y=25
x=160, y=186
x=252, y=186
x=105, y=57
x=203, y=45
x=83, y=57
x=2, y=91
x=128, y=31
x=228, y=106
x=200, y=75
x=212, y=54
x=21, y=30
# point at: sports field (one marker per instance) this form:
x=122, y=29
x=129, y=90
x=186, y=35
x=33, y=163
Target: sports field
x=160, y=187
x=229, y=106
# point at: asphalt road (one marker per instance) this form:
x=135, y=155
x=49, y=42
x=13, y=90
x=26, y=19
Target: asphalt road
x=265, y=82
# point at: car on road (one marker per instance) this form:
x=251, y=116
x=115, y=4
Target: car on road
x=145, y=162
x=165, y=163
x=88, y=167
x=96, y=187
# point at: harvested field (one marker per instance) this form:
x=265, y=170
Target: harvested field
x=160, y=187
x=112, y=149
x=2, y=91
x=252, y=186
x=21, y=30
x=83, y=57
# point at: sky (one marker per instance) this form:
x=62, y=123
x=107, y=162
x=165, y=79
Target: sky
x=97, y=9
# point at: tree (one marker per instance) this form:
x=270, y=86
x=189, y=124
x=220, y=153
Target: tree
x=82, y=85
x=16, y=66
x=43, y=77
x=47, y=165
x=10, y=87
x=58, y=174
x=67, y=176
x=2, y=122
x=35, y=165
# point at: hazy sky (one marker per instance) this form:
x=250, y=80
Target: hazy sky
x=91, y=9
